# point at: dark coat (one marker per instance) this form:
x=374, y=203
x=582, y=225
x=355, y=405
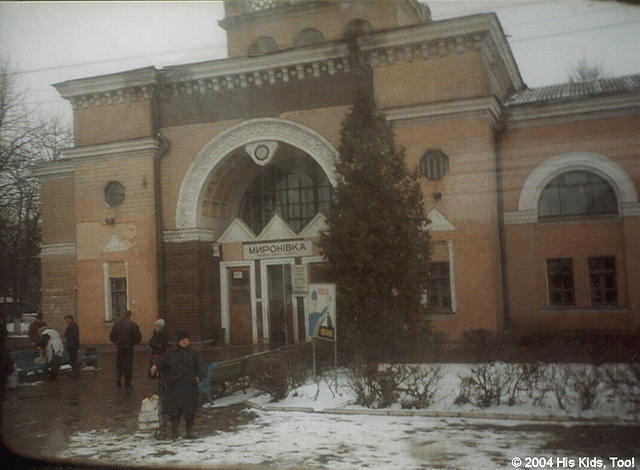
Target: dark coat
x=180, y=370
x=34, y=326
x=125, y=334
x=72, y=336
x=159, y=342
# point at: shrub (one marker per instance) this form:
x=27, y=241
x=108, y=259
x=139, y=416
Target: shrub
x=624, y=381
x=485, y=384
x=420, y=386
x=278, y=375
x=379, y=387
x=557, y=380
x=586, y=381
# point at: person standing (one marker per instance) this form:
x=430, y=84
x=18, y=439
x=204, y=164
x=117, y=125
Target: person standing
x=72, y=340
x=34, y=326
x=181, y=375
x=51, y=343
x=125, y=334
x=159, y=343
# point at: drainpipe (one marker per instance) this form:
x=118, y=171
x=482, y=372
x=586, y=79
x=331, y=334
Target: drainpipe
x=162, y=151
x=502, y=239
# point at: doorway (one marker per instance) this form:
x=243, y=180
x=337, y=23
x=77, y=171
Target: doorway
x=240, y=321
x=280, y=304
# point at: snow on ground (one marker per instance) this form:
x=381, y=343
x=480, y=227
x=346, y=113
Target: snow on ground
x=316, y=439
x=309, y=440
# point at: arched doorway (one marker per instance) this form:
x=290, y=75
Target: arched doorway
x=260, y=189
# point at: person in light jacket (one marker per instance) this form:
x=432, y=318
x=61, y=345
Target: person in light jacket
x=159, y=343
x=51, y=343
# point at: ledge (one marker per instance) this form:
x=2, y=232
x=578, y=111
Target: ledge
x=585, y=311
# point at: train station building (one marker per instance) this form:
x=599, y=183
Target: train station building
x=197, y=192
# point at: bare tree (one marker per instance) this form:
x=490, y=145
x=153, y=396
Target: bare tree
x=583, y=71
x=25, y=139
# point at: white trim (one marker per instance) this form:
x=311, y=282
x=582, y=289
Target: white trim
x=221, y=146
x=266, y=324
x=543, y=113
x=224, y=298
x=187, y=235
x=237, y=231
x=104, y=83
x=55, y=169
x=52, y=249
x=486, y=107
x=113, y=148
x=607, y=169
x=452, y=277
x=438, y=222
x=249, y=65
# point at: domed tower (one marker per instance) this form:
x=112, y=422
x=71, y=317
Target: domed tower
x=260, y=27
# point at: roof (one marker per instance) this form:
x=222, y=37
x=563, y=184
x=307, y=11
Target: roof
x=576, y=91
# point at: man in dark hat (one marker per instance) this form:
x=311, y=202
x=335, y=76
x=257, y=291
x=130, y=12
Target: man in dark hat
x=125, y=334
x=181, y=371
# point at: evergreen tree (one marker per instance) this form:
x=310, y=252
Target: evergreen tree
x=376, y=245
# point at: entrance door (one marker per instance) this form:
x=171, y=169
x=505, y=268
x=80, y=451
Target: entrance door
x=280, y=303
x=239, y=305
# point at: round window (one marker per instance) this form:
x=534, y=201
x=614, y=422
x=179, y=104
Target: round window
x=114, y=193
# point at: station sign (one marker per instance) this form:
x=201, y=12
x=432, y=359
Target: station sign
x=278, y=249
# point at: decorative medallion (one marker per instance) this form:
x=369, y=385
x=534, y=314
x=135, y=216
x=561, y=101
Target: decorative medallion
x=262, y=152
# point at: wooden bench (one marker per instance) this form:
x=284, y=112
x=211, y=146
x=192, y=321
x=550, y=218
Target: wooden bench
x=25, y=365
x=219, y=374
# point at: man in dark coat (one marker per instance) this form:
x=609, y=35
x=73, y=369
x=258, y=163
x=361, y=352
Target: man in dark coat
x=125, y=334
x=181, y=374
x=72, y=339
x=34, y=326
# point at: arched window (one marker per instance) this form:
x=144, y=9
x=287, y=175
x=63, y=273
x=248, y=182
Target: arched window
x=295, y=190
x=356, y=28
x=308, y=37
x=434, y=164
x=577, y=193
x=263, y=45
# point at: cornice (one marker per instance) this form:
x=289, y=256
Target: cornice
x=148, y=144
x=53, y=249
x=109, y=89
x=325, y=59
x=487, y=107
x=590, y=108
x=187, y=235
x=438, y=39
x=55, y=169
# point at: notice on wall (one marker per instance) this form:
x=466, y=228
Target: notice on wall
x=299, y=282
x=279, y=249
x=321, y=310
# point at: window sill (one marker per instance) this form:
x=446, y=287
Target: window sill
x=109, y=323
x=442, y=315
x=583, y=311
x=577, y=219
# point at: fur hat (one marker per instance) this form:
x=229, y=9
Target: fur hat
x=159, y=323
x=181, y=334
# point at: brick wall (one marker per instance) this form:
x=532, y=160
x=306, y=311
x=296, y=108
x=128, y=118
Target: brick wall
x=191, y=289
x=57, y=210
x=113, y=122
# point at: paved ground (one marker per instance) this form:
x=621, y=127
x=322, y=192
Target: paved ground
x=39, y=421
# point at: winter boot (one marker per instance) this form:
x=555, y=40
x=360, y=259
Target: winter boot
x=188, y=421
x=175, y=424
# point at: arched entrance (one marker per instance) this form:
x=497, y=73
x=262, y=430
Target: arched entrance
x=260, y=189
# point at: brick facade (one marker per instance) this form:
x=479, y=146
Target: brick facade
x=179, y=140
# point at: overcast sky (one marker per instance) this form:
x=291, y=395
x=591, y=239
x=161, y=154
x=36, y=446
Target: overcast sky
x=51, y=42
